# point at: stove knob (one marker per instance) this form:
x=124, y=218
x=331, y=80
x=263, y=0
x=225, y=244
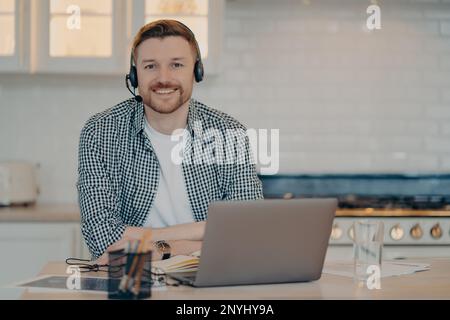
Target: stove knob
x=288, y=195
x=436, y=231
x=416, y=232
x=397, y=232
x=336, y=232
x=351, y=233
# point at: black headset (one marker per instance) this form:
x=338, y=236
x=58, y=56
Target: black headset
x=132, y=76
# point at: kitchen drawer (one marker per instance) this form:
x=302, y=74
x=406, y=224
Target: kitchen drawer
x=26, y=247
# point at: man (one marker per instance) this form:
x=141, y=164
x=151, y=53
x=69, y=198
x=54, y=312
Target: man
x=130, y=180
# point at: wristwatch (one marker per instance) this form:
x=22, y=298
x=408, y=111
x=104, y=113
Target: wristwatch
x=163, y=248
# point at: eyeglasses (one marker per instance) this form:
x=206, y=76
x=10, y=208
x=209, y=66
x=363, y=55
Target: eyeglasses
x=157, y=275
x=85, y=266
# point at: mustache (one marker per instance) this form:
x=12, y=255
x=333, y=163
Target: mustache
x=159, y=86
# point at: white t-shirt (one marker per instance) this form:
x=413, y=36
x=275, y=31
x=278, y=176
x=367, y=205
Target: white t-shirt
x=171, y=205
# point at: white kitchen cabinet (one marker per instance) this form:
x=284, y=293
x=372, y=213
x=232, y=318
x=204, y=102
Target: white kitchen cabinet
x=95, y=37
x=14, y=35
x=79, y=36
x=26, y=247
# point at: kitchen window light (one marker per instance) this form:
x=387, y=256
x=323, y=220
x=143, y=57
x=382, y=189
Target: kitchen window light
x=79, y=36
x=83, y=29
x=14, y=42
x=7, y=27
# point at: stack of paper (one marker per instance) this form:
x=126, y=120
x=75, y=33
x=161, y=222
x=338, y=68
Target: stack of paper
x=388, y=268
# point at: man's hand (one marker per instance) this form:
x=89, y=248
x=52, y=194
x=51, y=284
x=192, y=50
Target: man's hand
x=130, y=234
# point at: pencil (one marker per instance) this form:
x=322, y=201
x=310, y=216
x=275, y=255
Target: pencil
x=130, y=258
x=146, y=237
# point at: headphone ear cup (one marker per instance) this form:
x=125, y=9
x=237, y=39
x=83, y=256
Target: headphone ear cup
x=133, y=77
x=198, y=71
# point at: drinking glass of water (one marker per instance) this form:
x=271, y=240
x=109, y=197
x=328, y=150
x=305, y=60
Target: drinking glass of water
x=367, y=250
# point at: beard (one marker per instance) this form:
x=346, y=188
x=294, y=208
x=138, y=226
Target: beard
x=165, y=105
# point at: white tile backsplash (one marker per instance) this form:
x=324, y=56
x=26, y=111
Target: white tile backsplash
x=344, y=99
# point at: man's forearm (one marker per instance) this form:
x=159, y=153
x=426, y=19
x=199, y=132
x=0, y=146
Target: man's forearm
x=189, y=235
x=186, y=231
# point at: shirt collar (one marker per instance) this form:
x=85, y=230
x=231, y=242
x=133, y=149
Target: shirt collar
x=193, y=121
x=138, y=117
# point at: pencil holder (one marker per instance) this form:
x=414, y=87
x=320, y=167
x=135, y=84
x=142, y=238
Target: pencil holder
x=129, y=275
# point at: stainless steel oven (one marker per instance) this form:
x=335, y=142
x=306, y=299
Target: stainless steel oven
x=415, y=209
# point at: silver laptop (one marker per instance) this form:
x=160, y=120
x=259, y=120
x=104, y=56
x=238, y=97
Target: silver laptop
x=263, y=241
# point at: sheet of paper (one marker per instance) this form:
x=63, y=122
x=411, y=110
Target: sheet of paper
x=388, y=268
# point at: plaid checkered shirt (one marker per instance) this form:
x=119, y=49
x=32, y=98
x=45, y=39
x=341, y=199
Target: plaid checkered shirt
x=118, y=171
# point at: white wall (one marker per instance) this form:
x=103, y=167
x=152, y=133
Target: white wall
x=344, y=99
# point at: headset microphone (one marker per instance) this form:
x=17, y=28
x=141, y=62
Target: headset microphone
x=138, y=98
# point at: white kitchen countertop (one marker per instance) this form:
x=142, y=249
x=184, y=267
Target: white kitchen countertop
x=71, y=213
x=41, y=213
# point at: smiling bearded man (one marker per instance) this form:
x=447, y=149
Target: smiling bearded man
x=128, y=181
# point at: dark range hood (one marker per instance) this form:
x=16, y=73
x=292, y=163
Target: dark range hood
x=358, y=191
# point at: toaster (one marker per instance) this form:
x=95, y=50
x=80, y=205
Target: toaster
x=18, y=183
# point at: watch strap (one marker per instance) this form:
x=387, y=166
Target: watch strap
x=164, y=249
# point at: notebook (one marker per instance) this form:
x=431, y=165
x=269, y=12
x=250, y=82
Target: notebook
x=179, y=263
